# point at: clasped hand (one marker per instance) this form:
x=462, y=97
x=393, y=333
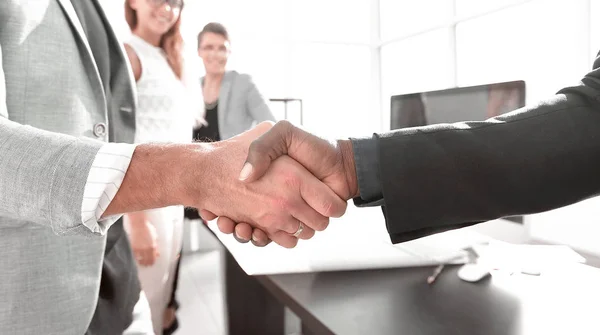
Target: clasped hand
x=273, y=179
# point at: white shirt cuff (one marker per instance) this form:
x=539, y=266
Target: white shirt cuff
x=103, y=182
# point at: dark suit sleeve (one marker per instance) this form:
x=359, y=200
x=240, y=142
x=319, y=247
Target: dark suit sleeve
x=366, y=161
x=534, y=159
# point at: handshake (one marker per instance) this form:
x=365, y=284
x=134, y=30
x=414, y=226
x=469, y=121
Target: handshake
x=275, y=183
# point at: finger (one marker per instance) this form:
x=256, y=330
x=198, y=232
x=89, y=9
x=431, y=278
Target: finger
x=284, y=239
x=255, y=132
x=206, y=215
x=290, y=223
x=149, y=257
x=260, y=238
x=226, y=225
x=309, y=217
x=142, y=259
x=264, y=150
x=286, y=222
x=307, y=233
x=139, y=258
x=243, y=231
x=321, y=198
x=286, y=139
x=239, y=239
x=260, y=244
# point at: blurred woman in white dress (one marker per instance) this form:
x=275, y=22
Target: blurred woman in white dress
x=163, y=115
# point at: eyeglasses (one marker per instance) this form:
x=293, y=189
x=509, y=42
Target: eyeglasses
x=220, y=51
x=176, y=4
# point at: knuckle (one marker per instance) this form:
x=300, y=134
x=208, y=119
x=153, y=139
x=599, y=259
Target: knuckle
x=291, y=180
x=256, y=146
x=328, y=208
x=281, y=203
x=268, y=222
x=325, y=224
x=321, y=224
x=266, y=124
x=289, y=243
x=283, y=124
x=283, y=128
x=334, y=209
x=309, y=235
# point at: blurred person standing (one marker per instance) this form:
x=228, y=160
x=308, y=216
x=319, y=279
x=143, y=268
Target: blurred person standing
x=233, y=104
x=163, y=115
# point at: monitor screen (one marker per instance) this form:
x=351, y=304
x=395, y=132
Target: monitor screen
x=475, y=103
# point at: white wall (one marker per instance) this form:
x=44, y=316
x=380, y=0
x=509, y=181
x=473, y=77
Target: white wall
x=114, y=11
x=316, y=50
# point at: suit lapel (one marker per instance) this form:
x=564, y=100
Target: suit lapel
x=76, y=24
x=115, y=42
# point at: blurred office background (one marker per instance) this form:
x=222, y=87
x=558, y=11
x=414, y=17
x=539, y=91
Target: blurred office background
x=345, y=59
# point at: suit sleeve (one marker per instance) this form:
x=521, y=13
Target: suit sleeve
x=42, y=174
x=534, y=159
x=3, y=110
x=256, y=103
x=366, y=161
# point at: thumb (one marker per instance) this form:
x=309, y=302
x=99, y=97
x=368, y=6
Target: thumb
x=265, y=149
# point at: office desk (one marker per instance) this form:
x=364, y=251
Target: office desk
x=398, y=301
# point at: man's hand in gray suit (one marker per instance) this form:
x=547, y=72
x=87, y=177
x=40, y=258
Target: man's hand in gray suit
x=330, y=162
x=205, y=176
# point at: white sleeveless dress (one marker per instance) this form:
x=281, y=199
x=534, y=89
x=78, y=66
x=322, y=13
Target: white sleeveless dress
x=162, y=115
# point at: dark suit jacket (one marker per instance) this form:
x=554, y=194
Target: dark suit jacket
x=532, y=160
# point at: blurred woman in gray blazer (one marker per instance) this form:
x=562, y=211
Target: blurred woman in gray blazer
x=233, y=103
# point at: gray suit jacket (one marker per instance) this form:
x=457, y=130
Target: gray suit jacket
x=241, y=105
x=49, y=84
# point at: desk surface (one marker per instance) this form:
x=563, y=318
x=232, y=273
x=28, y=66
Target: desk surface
x=357, y=241
x=398, y=301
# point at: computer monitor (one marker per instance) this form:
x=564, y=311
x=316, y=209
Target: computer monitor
x=474, y=103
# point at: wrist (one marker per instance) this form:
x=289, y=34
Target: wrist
x=347, y=153
x=193, y=174
x=155, y=176
x=160, y=175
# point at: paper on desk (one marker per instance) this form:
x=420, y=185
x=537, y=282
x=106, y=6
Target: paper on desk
x=447, y=247
x=503, y=255
x=357, y=241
